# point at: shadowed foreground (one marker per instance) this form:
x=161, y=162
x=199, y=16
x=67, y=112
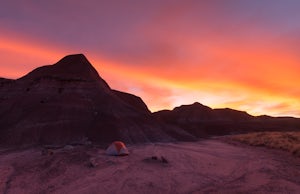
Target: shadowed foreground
x=208, y=166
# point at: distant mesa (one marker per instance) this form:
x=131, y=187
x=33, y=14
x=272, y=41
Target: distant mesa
x=69, y=103
x=202, y=121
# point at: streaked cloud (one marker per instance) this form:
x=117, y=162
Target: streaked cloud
x=237, y=54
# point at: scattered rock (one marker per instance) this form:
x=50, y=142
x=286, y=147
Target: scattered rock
x=164, y=160
x=154, y=158
x=47, y=152
x=93, y=163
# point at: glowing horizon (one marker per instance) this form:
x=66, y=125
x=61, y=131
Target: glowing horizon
x=168, y=58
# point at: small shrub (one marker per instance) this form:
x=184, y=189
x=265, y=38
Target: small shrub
x=288, y=141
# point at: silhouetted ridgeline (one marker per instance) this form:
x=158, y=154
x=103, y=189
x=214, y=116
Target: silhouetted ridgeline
x=68, y=102
x=201, y=120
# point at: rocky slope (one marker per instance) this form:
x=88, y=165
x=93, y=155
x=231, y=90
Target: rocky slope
x=69, y=102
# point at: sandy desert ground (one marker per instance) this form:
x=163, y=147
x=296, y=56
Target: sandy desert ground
x=208, y=166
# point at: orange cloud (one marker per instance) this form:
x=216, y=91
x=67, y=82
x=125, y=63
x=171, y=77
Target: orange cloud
x=19, y=55
x=258, y=79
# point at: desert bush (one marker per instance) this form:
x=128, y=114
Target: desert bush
x=289, y=141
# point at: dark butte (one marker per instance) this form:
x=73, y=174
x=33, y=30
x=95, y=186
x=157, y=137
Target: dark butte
x=68, y=102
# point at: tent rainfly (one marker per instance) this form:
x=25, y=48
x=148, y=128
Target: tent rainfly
x=117, y=148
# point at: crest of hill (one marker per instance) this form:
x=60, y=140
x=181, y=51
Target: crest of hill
x=197, y=112
x=70, y=68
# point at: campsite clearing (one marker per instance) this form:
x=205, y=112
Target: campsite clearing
x=208, y=166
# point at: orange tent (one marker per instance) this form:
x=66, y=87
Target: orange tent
x=117, y=148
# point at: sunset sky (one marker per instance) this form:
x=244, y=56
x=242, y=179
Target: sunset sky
x=241, y=54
